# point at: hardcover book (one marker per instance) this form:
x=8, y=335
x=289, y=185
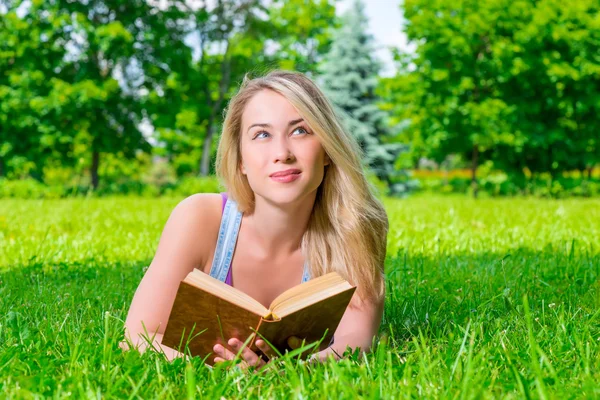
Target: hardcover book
x=207, y=311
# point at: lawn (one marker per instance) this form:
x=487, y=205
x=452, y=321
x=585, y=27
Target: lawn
x=485, y=298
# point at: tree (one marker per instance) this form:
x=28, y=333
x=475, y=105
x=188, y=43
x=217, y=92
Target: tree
x=82, y=76
x=130, y=40
x=30, y=126
x=462, y=109
x=301, y=33
x=512, y=82
x=555, y=85
x=349, y=76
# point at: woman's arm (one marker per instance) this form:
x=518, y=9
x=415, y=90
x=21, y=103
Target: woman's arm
x=141, y=345
x=184, y=244
x=359, y=325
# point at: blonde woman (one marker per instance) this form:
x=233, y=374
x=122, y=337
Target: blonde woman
x=297, y=206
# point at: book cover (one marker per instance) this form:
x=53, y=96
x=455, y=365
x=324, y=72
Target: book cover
x=204, y=318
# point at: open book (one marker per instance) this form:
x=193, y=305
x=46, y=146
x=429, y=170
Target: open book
x=217, y=312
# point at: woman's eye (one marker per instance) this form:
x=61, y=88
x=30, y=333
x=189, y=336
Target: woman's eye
x=301, y=128
x=260, y=133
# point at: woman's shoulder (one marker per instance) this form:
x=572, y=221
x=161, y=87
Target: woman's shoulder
x=197, y=219
x=201, y=204
x=201, y=210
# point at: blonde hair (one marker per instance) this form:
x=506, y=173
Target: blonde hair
x=347, y=229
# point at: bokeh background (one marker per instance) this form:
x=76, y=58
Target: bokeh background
x=126, y=97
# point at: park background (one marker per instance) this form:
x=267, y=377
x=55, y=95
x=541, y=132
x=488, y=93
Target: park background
x=479, y=133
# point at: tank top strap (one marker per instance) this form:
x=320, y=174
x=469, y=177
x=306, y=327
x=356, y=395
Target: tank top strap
x=231, y=220
x=228, y=234
x=306, y=273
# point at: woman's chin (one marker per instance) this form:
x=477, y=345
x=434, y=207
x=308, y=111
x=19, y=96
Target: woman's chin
x=285, y=196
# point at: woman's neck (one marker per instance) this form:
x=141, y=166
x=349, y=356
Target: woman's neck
x=279, y=229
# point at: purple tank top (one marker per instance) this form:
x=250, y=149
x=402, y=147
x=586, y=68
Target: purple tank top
x=228, y=279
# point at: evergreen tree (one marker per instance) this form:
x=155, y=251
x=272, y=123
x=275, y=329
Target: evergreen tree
x=349, y=77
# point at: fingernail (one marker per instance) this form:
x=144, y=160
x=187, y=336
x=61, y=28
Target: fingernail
x=217, y=348
x=233, y=343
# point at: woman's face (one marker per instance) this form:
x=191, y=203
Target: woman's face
x=275, y=139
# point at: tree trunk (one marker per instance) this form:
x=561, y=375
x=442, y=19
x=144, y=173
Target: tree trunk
x=215, y=107
x=1, y=167
x=94, y=171
x=588, y=170
x=474, y=171
x=205, y=161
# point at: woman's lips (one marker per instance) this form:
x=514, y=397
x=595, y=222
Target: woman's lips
x=286, y=178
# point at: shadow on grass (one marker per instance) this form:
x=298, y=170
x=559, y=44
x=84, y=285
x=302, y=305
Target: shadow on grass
x=427, y=294
x=434, y=294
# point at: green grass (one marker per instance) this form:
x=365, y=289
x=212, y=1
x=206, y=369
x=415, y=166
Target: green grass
x=486, y=299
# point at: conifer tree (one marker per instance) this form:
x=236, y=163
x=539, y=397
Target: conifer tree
x=349, y=77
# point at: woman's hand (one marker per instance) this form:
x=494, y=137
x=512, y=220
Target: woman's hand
x=249, y=357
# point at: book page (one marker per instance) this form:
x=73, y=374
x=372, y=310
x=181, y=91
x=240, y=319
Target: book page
x=308, y=293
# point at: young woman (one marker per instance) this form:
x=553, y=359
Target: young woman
x=297, y=206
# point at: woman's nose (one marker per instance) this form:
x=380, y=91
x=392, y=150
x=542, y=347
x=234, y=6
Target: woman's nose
x=282, y=151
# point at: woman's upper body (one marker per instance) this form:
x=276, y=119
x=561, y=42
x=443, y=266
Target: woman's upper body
x=323, y=214
x=231, y=219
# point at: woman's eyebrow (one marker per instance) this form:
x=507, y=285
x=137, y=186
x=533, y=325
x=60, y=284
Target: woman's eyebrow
x=263, y=125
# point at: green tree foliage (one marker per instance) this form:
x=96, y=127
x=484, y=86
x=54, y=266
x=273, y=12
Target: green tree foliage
x=349, y=77
x=111, y=40
x=78, y=78
x=301, y=33
x=514, y=82
x=455, y=84
x=554, y=83
x=32, y=130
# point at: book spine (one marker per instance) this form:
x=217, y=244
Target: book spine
x=271, y=317
x=267, y=319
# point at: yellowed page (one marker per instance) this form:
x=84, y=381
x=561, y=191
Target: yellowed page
x=308, y=293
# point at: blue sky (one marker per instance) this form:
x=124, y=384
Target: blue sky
x=385, y=24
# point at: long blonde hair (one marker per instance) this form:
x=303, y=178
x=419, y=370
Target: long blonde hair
x=347, y=229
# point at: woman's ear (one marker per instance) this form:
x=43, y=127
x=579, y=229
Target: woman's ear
x=327, y=160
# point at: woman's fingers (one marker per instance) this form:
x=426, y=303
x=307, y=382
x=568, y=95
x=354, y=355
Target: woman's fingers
x=223, y=353
x=249, y=357
x=266, y=349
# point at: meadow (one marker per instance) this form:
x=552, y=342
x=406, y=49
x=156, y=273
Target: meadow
x=485, y=298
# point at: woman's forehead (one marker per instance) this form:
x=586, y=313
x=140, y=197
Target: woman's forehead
x=268, y=107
